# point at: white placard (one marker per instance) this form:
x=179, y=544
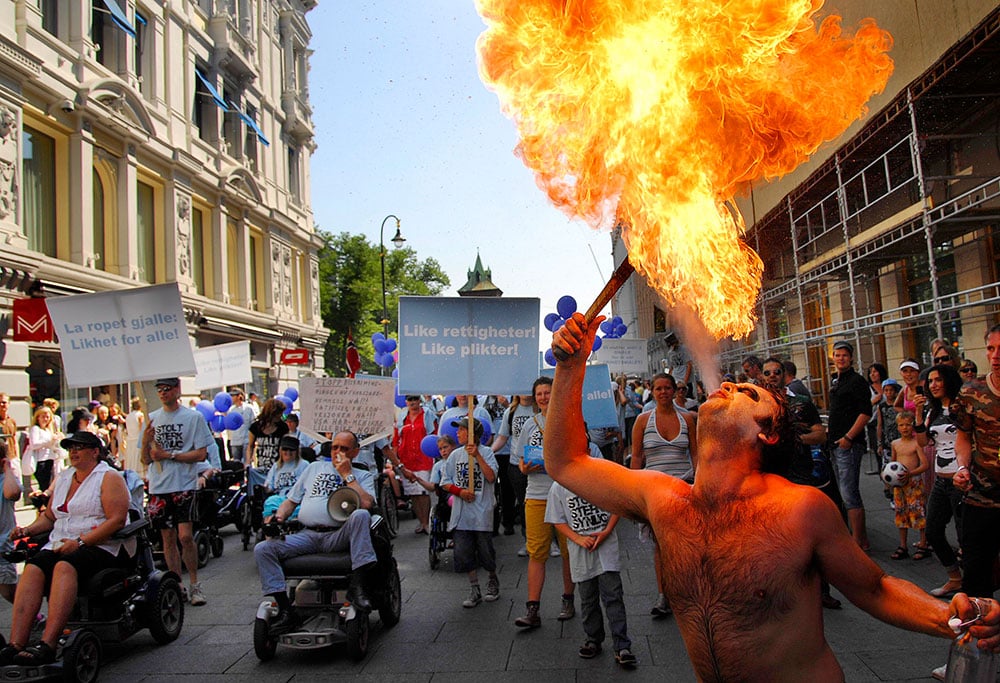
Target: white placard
x=623, y=356
x=122, y=336
x=222, y=365
x=361, y=405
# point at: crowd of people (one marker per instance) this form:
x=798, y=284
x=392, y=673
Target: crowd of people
x=938, y=424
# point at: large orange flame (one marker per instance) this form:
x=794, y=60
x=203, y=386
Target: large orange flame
x=657, y=112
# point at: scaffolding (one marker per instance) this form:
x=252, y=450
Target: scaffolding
x=894, y=238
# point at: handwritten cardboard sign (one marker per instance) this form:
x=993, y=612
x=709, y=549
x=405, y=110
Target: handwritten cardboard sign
x=333, y=404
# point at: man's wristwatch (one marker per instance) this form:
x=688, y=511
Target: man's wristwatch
x=79, y=541
x=349, y=478
x=173, y=456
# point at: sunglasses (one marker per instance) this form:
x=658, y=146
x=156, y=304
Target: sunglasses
x=967, y=370
x=942, y=359
x=773, y=373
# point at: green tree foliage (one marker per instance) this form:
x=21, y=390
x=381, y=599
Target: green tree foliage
x=350, y=282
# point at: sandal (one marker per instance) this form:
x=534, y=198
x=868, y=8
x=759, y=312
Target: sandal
x=36, y=655
x=590, y=649
x=900, y=553
x=7, y=654
x=923, y=552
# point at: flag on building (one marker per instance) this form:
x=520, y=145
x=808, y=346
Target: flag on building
x=353, y=359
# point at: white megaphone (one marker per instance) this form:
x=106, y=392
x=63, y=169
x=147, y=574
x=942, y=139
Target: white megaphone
x=342, y=502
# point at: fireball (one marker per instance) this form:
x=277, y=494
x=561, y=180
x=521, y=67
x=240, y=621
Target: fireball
x=656, y=113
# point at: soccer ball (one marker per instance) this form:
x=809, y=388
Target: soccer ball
x=893, y=473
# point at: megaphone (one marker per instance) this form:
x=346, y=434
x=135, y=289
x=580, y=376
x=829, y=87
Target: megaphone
x=342, y=503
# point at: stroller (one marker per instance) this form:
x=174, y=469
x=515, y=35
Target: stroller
x=438, y=536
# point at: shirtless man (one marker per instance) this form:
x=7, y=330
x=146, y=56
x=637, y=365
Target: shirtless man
x=743, y=550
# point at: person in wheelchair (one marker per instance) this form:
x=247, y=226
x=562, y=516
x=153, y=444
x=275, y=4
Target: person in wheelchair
x=322, y=534
x=283, y=474
x=89, y=503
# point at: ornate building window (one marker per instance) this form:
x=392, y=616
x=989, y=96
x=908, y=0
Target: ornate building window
x=38, y=163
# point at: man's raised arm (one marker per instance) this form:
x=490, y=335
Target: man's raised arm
x=567, y=454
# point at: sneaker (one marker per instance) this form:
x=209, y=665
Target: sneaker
x=197, y=595
x=530, y=619
x=939, y=673
x=590, y=649
x=492, y=590
x=554, y=550
x=661, y=608
x=568, y=611
x=475, y=597
x=523, y=552
x=625, y=658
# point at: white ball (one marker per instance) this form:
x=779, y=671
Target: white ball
x=893, y=473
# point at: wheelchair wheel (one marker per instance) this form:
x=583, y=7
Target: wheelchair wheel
x=82, y=658
x=392, y=602
x=246, y=523
x=357, y=636
x=433, y=550
x=164, y=616
x=217, y=546
x=388, y=503
x=204, y=546
x=264, y=644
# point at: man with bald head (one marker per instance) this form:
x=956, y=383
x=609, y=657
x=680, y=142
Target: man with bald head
x=743, y=550
x=322, y=534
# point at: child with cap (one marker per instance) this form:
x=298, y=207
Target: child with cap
x=472, y=512
x=885, y=420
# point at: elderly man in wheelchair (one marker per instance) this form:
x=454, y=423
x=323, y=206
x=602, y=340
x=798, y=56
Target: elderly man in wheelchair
x=321, y=533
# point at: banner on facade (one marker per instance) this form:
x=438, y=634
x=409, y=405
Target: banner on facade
x=30, y=320
x=623, y=356
x=599, y=407
x=223, y=365
x=333, y=404
x=467, y=345
x=122, y=336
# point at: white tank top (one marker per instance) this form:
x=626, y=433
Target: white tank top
x=84, y=512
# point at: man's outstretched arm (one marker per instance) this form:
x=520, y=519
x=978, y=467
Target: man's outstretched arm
x=567, y=454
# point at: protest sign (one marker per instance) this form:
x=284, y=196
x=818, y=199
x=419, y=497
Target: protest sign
x=122, y=336
x=222, y=365
x=467, y=345
x=623, y=356
x=333, y=404
x=599, y=407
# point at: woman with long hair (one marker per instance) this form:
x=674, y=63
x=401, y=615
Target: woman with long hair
x=41, y=455
x=265, y=435
x=939, y=429
x=663, y=439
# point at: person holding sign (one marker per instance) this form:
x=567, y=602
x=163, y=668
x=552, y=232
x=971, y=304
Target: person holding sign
x=744, y=549
x=176, y=439
x=472, y=512
x=539, y=532
x=413, y=425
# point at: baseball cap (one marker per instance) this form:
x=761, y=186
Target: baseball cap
x=288, y=443
x=85, y=439
x=844, y=345
x=890, y=383
x=168, y=381
x=464, y=422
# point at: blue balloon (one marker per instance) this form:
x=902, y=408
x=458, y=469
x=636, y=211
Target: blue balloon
x=606, y=327
x=292, y=393
x=234, y=421
x=550, y=320
x=429, y=446
x=395, y=372
x=390, y=345
x=550, y=357
x=379, y=345
x=447, y=430
x=597, y=344
x=377, y=336
x=566, y=306
x=218, y=422
x=287, y=402
x=449, y=401
x=558, y=323
x=400, y=401
x=223, y=401
x=620, y=331
x=616, y=321
x=487, y=432
x=207, y=409
x=387, y=360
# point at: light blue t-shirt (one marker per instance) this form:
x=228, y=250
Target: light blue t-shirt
x=477, y=515
x=313, y=489
x=586, y=519
x=179, y=431
x=437, y=472
x=283, y=475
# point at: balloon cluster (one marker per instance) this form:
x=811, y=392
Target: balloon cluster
x=614, y=328
x=385, y=350
x=287, y=398
x=565, y=308
x=217, y=415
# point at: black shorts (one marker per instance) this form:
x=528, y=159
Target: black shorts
x=169, y=510
x=87, y=561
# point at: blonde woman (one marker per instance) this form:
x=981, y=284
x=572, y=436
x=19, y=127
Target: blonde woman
x=41, y=455
x=135, y=422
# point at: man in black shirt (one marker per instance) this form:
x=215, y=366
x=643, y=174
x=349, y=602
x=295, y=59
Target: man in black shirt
x=850, y=411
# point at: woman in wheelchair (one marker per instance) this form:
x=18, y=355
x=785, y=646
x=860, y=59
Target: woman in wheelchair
x=89, y=504
x=283, y=474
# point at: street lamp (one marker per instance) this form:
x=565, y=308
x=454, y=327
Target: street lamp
x=397, y=242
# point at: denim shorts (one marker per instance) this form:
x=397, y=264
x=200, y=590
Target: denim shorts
x=848, y=465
